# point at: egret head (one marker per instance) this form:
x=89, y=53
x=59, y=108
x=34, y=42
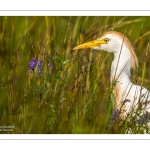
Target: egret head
x=112, y=42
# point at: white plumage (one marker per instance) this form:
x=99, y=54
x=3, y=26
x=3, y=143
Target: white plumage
x=124, y=59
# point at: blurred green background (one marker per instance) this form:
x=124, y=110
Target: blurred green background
x=73, y=94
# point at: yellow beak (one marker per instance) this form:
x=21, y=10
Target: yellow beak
x=90, y=44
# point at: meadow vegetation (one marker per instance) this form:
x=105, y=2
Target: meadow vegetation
x=67, y=91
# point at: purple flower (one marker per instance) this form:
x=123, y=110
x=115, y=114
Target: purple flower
x=145, y=116
x=143, y=119
x=32, y=64
x=115, y=115
x=39, y=67
x=126, y=100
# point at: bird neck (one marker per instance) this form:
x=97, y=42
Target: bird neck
x=120, y=74
x=121, y=65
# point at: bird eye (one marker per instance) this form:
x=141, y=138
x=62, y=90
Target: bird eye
x=106, y=40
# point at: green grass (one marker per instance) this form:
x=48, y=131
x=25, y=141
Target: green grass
x=73, y=94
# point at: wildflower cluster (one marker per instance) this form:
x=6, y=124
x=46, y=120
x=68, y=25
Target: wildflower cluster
x=39, y=67
x=115, y=115
x=143, y=119
x=32, y=64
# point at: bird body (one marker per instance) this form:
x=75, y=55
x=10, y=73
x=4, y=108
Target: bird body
x=124, y=60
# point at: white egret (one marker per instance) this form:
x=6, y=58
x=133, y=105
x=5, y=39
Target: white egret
x=124, y=59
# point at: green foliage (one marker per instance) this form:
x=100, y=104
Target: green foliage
x=73, y=94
